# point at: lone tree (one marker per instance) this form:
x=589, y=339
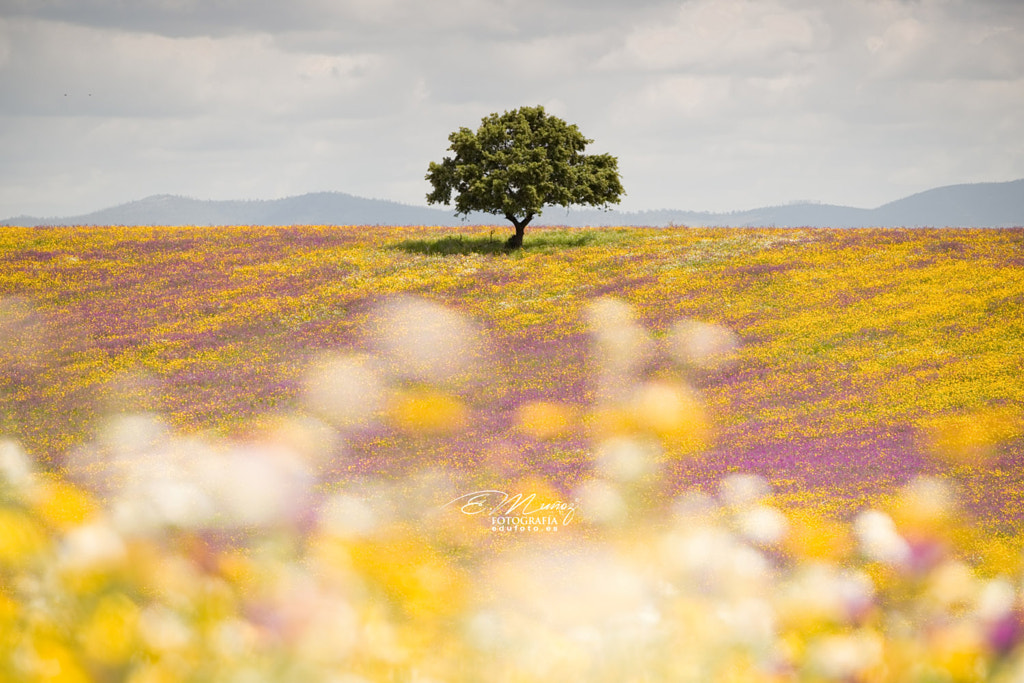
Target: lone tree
x=519, y=162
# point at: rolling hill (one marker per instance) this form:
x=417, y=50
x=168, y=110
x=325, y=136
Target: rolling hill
x=969, y=205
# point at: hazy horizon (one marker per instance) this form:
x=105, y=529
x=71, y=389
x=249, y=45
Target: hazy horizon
x=548, y=211
x=710, y=105
x=971, y=205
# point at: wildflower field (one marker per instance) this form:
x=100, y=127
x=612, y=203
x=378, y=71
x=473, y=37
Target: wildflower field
x=342, y=454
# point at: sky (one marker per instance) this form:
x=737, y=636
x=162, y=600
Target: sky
x=709, y=105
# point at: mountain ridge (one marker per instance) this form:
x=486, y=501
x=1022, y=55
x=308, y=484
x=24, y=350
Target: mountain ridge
x=964, y=205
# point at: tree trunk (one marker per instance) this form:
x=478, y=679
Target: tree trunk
x=516, y=240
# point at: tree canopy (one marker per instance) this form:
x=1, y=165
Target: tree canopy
x=517, y=163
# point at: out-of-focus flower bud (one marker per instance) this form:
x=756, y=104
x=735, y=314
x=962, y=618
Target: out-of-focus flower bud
x=109, y=633
x=709, y=559
x=345, y=391
x=345, y=515
x=133, y=435
x=671, y=412
x=879, y=540
x=61, y=504
x=164, y=630
x=996, y=599
x=427, y=411
x=545, y=419
x=329, y=631
x=626, y=460
x=618, y=338
x=924, y=515
x=958, y=649
x=819, y=595
x=845, y=657
x=702, y=345
x=741, y=490
x=589, y=596
x=621, y=346
x=857, y=593
x=749, y=622
x=171, y=486
x=235, y=638
x=813, y=537
x=693, y=508
x=601, y=502
x=998, y=609
x=256, y=485
x=126, y=452
x=1006, y=633
x=696, y=552
x=763, y=525
x=21, y=538
x=15, y=467
x=95, y=545
x=420, y=578
x=953, y=587
x=487, y=630
x=307, y=437
x=426, y=341
x=972, y=438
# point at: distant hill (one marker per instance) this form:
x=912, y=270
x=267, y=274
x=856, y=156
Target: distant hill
x=974, y=205
x=979, y=205
x=318, y=208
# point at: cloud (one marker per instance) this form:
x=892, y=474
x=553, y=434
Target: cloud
x=716, y=35
x=62, y=69
x=709, y=104
x=934, y=40
x=5, y=51
x=351, y=18
x=688, y=96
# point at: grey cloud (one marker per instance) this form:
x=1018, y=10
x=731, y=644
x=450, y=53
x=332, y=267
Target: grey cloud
x=367, y=19
x=167, y=17
x=71, y=70
x=714, y=36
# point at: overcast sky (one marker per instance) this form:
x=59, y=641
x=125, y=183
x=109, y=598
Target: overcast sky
x=708, y=104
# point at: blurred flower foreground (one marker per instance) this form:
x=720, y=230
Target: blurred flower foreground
x=158, y=557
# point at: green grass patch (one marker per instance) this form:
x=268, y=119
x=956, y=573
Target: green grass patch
x=539, y=241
